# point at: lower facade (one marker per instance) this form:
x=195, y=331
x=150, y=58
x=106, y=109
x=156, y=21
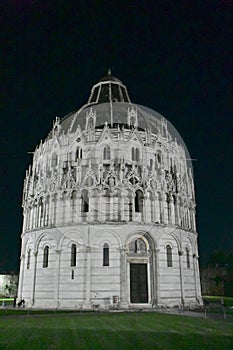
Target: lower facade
x=109, y=266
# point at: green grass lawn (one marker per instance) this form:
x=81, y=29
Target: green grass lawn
x=116, y=331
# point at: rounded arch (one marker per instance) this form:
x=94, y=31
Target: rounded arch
x=106, y=233
x=145, y=236
x=43, y=236
x=28, y=243
x=169, y=243
x=79, y=239
x=165, y=237
x=188, y=242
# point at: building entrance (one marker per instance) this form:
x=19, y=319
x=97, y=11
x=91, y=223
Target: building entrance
x=138, y=283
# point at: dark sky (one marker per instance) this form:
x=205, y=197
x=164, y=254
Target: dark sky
x=174, y=56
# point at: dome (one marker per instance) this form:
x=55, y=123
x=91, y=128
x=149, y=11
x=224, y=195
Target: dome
x=109, y=89
x=110, y=77
x=117, y=111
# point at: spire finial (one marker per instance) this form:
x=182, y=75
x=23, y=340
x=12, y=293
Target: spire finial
x=109, y=71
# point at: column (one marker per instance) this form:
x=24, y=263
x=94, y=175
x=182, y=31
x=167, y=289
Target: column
x=21, y=277
x=153, y=274
x=78, y=207
x=122, y=207
x=197, y=279
x=146, y=210
x=90, y=211
x=50, y=216
x=87, y=302
x=156, y=209
x=124, y=286
x=157, y=278
x=181, y=278
x=165, y=208
x=33, y=285
x=57, y=278
x=172, y=207
x=132, y=207
x=195, y=275
x=111, y=206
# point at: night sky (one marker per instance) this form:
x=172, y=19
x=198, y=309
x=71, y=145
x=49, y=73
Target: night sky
x=174, y=57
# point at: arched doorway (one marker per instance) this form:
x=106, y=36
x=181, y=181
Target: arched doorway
x=139, y=271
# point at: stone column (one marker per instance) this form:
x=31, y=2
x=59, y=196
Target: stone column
x=146, y=210
x=111, y=206
x=122, y=207
x=78, y=206
x=153, y=274
x=172, y=207
x=157, y=278
x=165, y=208
x=91, y=207
x=87, y=303
x=123, y=277
x=50, y=216
x=57, y=278
x=132, y=207
x=194, y=220
x=195, y=275
x=197, y=279
x=181, y=278
x=33, y=285
x=21, y=277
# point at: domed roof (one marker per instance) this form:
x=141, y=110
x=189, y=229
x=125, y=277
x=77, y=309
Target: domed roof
x=109, y=89
x=109, y=104
x=112, y=114
x=110, y=77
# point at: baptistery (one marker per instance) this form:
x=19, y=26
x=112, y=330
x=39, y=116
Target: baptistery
x=109, y=210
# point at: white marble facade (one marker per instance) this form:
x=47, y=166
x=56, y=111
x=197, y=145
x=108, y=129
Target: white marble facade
x=109, y=210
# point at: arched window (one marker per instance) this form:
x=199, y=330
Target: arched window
x=169, y=256
x=168, y=208
x=41, y=211
x=132, y=153
x=28, y=259
x=54, y=160
x=138, y=201
x=135, y=154
x=138, y=246
x=107, y=153
x=79, y=153
x=73, y=255
x=84, y=201
x=159, y=157
x=106, y=254
x=46, y=257
x=188, y=258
